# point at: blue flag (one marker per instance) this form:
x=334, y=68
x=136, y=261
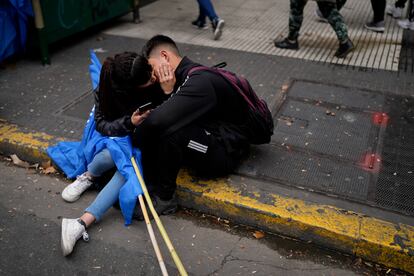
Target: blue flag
x=15, y=16
x=73, y=157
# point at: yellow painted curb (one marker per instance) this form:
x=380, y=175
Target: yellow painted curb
x=27, y=144
x=369, y=238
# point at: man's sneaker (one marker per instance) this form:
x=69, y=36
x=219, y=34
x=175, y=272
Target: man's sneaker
x=73, y=191
x=199, y=24
x=320, y=16
x=218, y=25
x=376, y=26
x=406, y=24
x=72, y=230
x=394, y=11
x=286, y=44
x=163, y=207
x=344, y=49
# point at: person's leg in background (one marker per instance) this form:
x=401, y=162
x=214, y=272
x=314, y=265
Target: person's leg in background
x=295, y=22
x=319, y=15
x=335, y=19
x=200, y=22
x=377, y=24
x=217, y=23
x=73, y=229
x=396, y=9
x=409, y=22
x=101, y=163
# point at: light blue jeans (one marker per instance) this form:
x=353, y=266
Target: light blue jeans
x=109, y=194
x=206, y=9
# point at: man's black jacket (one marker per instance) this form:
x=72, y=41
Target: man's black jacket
x=204, y=99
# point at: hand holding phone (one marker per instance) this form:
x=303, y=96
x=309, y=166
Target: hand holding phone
x=143, y=108
x=141, y=113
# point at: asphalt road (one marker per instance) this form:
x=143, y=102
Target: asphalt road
x=31, y=210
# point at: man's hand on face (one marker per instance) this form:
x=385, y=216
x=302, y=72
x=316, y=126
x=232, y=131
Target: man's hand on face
x=166, y=77
x=138, y=117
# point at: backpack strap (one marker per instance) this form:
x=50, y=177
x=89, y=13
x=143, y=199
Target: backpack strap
x=233, y=80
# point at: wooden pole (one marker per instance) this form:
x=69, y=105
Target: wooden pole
x=152, y=236
x=161, y=228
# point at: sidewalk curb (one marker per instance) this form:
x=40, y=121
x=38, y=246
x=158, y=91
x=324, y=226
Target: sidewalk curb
x=366, y=237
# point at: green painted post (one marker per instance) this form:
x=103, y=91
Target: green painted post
x=42, y=36
x=135, y=12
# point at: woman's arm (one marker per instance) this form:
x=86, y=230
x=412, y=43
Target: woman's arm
x=118, y=127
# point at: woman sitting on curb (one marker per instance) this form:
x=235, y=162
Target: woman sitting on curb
x=126, y=82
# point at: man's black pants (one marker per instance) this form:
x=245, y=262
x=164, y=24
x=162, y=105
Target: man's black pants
x=378, y=6
x=192, y=146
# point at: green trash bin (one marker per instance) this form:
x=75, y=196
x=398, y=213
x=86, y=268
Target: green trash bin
x=58, y=19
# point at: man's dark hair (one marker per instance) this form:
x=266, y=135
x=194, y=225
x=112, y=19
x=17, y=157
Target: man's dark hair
x=159, y=40
x=141, y=70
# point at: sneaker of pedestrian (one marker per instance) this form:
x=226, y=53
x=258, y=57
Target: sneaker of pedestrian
x=344, y=49
x=162, y=207
x=394, y=11
x=72, y=230
x=73, y=191
x=320, y=16
x=218, y=25
x=406, y=24
x=199, y=24
x=286, y=44
x=376, y=26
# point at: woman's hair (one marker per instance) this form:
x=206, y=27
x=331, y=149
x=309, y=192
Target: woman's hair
x=120, y=75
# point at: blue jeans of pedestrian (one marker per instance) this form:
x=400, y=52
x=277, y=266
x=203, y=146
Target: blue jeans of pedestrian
x=206, y=9
x=110, y=193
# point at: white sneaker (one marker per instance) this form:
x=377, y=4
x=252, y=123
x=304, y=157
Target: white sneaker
x=73, y=191
x=218, y=25
x=394, y=11
x=406, y=24
x=72, y=230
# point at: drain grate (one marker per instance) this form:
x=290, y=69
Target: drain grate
x=342, y=133
x=395, y=187
x=307, y=171
x=363, y=152
x=321, y=139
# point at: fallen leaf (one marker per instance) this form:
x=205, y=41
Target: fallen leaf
x=258, y=234
x=16, y=160
x=46, y=165
x=285, y=87
x=49, y=170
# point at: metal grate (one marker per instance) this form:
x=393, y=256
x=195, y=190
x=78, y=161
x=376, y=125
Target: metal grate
x=406, y=63
x=339, y=133
x=395, y=187
x=307, y=171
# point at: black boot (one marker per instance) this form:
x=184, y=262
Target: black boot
x=163, y=207
x=344, y=49
x=286, y=44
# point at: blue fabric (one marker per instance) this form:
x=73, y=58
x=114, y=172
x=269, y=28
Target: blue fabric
x=73, y=157
x=14, y=17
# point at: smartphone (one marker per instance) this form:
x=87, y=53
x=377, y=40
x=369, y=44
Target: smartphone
x=144, y=107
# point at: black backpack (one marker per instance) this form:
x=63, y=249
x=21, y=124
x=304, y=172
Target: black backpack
x=260, y=121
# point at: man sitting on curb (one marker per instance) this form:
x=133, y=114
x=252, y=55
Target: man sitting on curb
x=202, y=124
